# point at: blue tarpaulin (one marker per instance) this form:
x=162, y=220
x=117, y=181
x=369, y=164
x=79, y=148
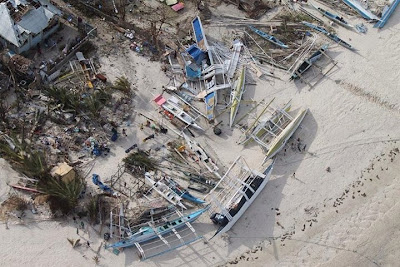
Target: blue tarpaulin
x=96, y=181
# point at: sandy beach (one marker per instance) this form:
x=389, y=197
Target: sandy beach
x=336, y=203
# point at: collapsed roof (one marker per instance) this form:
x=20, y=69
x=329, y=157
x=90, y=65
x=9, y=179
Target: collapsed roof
x=20, y=18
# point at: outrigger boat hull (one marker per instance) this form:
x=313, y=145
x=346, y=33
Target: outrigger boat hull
x=147, y=233
x=336, y=18
x=237, y=96
x=170, y=195
x=268, y=37
x=243, y=205
x=280, y=141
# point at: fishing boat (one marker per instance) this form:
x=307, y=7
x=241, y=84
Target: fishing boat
x=239, y=193
x=147, y=233
x=172, y=110
x=331, y=36
x=308, y=63
x=357, y=6
x=268, y=37
x=164, y=191
x=387, y=12
x=236, y=96
x=279, y=142
x=336, y=18
x=182, y=192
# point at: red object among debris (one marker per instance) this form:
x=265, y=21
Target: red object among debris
x=178, y=6
x=160, y=100
x=101, y=77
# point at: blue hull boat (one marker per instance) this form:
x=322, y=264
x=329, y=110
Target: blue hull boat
x=354, y=4
x=268, y=37
x=386, y=15
x=148, y=233
x=336, y=18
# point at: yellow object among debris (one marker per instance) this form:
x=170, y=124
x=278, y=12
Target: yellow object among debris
x=64, y=171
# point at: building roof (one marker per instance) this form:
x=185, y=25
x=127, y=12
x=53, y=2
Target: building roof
x=19, y=18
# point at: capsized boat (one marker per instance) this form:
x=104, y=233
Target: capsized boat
x=236, y=96
x=279, y=142
x=235, y=203
x=268, y=37
x=331, y=36
x=172, y=110
x=164, y=191
x=336, y=18
x=147, y=233
x=354, y=4
x=182, y=192
x=308, y=63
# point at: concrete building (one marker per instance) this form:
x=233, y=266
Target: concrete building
x=25, y=23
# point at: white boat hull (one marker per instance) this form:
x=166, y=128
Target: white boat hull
x=246, y=205
x=173, y=198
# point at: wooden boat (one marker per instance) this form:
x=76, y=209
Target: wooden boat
x=236, y=96
x=336, y=18
x=308, y=63
x=234, y=203
x=386, y=14
x=354, y=4
x=172, y=110
x=147, y=233
x=279, y=142
x=164, y=191
x=331, y=36
x=182, y=192
x=268, y=37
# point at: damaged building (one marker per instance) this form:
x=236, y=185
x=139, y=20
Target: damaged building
x=25, y=23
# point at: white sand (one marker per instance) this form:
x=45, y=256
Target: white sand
x=353, y=114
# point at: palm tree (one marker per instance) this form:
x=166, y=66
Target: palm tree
x=122, y=84
x=64, y=195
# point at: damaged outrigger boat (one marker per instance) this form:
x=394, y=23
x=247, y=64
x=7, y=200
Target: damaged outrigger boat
x=241, y=187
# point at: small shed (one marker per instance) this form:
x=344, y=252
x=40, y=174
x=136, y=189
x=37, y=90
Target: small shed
x=63, y=171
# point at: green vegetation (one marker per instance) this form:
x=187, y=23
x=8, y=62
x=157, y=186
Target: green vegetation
x=140, y=162
x=122, y=84
x=63, y=195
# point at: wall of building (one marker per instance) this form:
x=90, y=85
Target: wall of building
x=32, y=42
